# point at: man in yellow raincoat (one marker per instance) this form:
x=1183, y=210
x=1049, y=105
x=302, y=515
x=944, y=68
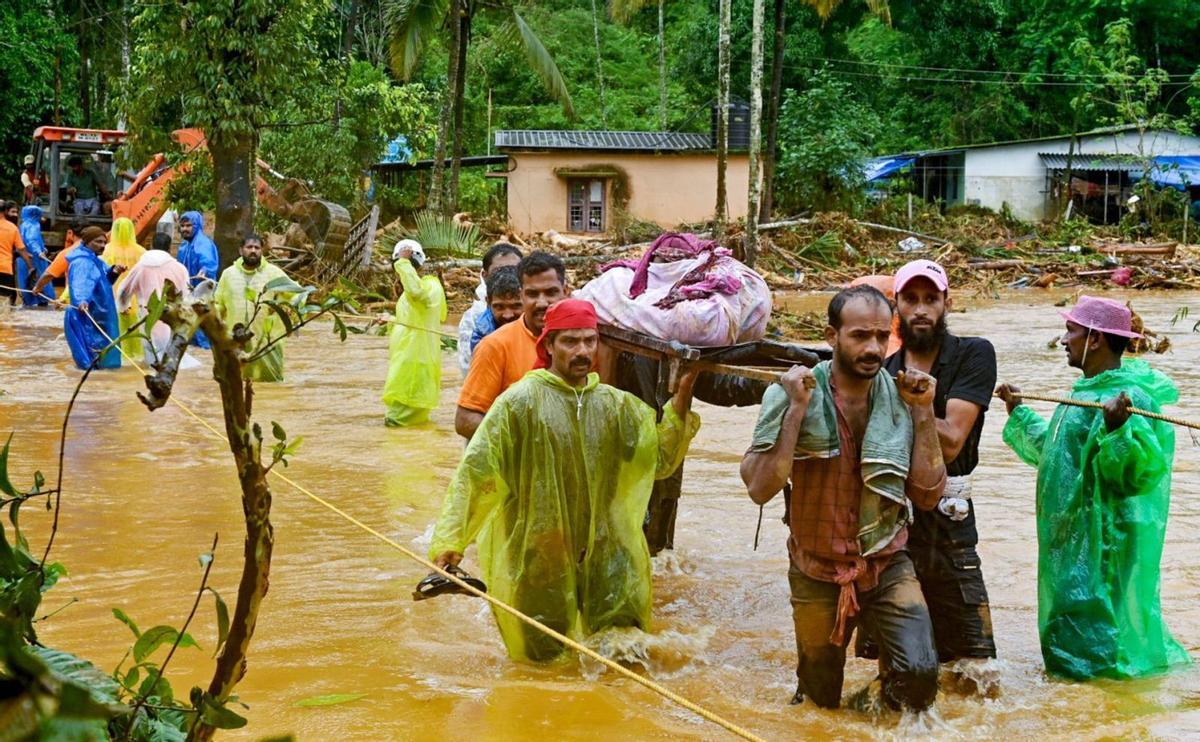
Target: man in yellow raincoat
x=123, y=250
x=554, y=487
x=1103, y=495
x=414, y=379
x=248, y=280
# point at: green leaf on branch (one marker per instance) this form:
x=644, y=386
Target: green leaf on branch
x=285, y=285
x=278, y=431
x=284, y=312
x=339, y=327
x=125, y=619
x=222, y=620
x=219, y=716
x=5, y=485
x=294, y=446
x=154, y=638
x=330, y=700
x=154, y=309
x=251, y=295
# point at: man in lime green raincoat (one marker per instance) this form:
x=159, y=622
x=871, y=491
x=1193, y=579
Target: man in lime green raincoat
x=1103, y=490
x=241, y=283
x=414, y=380
x=554, y=486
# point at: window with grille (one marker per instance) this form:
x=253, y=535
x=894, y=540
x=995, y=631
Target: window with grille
x=585, y=205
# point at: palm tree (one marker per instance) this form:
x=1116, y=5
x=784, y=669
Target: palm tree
x=622, y=12
x=411, y=25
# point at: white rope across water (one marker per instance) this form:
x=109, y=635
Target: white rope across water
x=495, y=602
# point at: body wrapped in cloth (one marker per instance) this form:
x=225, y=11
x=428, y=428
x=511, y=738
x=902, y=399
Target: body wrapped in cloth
x=554, y=487
x=1102, y=502
x=684, y=289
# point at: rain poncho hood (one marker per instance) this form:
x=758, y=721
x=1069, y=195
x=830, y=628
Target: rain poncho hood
x=31, y=235
x=31, y=230
x=554, y=487
x=415, y=347
x=1102, y=503
x=88, y=282
x=234, y=299
x=123, y=249
x=199, y=256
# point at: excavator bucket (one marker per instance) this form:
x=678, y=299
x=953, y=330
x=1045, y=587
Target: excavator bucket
x=326, y=224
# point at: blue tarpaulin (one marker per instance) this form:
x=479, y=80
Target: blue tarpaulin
x=881, y=167
x=1178, y=171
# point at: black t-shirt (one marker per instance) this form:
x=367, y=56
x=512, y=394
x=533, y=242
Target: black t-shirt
x=965, y=369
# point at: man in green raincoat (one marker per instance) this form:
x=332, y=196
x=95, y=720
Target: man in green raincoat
x=248, y=280
x=1103, y=489
x=414, y=380
x=554, y=486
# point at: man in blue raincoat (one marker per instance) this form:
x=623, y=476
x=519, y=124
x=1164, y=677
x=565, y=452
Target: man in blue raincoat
x=1103, y=491
x=198, y=253
x=31, y=235
x=89, y=281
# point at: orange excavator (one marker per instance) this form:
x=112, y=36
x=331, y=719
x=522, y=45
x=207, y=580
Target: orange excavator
x=143, y=197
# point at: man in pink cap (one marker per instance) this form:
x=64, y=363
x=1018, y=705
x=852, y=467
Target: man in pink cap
x=942, y=541
x=1103, y=493
x=554, y=486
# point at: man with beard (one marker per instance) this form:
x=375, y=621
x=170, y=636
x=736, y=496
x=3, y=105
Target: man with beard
x=502, y=358
x=241, y=287
x=941, y=542
x=860, y=450
x=554, y=485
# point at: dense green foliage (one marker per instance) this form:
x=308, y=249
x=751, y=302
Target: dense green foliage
x=942, y=73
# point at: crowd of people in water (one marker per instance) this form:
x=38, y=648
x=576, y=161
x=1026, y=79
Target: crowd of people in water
x=569, y=484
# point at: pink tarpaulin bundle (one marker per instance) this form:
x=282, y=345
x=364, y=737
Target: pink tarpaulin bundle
x=683, y=289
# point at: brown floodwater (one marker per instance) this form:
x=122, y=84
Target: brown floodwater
x=145, y=492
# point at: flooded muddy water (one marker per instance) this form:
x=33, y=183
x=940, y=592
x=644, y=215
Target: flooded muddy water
x=145, y=492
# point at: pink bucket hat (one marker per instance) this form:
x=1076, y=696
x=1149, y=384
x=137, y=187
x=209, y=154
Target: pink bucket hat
x=1102, y=315
x=922, y=269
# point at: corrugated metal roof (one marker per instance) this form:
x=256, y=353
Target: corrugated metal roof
x=1086, y=162
x=636, y=141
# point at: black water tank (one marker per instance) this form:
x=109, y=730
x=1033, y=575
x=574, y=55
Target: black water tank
x=739, y=125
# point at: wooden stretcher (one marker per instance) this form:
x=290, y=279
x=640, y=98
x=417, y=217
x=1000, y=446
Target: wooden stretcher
x=760, y=360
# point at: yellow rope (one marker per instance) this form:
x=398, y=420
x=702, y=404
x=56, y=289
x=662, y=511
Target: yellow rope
x=616, y=667
x=1099, y=406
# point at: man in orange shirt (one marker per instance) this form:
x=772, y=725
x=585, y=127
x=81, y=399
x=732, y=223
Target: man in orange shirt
x=11, y=242
x=502, y=358
x=58, y=266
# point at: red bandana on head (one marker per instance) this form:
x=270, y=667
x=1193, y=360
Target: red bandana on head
x=568, y=314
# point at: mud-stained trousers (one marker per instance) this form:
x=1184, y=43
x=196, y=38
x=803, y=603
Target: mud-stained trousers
x=893, y=613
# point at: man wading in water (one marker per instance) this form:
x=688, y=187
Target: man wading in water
x=834, y=430
x=941, y=542
x=554, y=486
x=1103, y=493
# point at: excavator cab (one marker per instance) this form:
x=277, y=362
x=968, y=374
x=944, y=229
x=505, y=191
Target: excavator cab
x=69, y=165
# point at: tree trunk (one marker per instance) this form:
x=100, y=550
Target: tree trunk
x=662, y=68
x=348, y=32
x=245, y=441
x=750, y=244
x=460, y=89
x=85, y=88
x=233, y=185
x=437, y=177
x=599, y=66
x=722, y=214
x=237, y=396
x=773, y=103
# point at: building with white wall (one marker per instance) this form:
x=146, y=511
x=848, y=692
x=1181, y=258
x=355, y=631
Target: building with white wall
x=1028, y=174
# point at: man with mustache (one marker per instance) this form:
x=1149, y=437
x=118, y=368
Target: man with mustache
x=1103, y=497
x=503, y=357
x=941, y=542
x=860, y=450
x=554, y=486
